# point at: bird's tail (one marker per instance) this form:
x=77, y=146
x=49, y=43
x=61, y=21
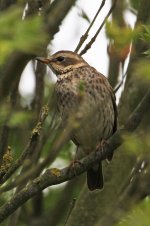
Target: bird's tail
x=95, y=178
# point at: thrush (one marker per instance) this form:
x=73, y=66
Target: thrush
x=97, y=106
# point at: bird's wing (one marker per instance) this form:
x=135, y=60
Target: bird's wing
x=115, y=111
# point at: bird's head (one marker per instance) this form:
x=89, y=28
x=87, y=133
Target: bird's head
x=63, y=61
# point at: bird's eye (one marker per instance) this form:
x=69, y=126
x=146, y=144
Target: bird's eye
x=60, y=58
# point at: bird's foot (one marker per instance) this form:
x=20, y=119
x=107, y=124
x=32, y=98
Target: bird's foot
x=72, y=165
x=100, y=146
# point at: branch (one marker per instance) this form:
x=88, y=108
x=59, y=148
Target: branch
x=15, y=62
x=84, y=37
x=4, y=142
x=70, y=210
x=55, y=14
x=88, y=46
x=30, y=146
x=40, y=71
x=120, y=83
x=55, y=176
x=36, y=170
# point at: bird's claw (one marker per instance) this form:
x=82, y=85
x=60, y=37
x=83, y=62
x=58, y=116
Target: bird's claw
x=72, y=165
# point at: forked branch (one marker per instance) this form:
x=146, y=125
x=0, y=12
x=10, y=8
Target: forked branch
x=84, y=37
x=88, y=46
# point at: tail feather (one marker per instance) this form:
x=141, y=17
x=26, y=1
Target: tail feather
x=95, y=178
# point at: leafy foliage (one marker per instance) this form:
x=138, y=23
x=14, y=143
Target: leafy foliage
x=20, y=35
x=146, y=37
x=122, y=36
x=120, y=39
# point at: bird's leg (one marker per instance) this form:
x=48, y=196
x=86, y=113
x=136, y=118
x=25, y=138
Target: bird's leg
x=72, y=165
x=100, y=146
x=75, y=161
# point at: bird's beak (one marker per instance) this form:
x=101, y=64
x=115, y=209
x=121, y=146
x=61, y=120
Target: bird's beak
x=43, y=60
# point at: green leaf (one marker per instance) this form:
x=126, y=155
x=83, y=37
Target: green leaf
x=20, y=35
x=122, y=36
x=84, y=16
x=145, y=35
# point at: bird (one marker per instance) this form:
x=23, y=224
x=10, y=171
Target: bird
x=80, y=87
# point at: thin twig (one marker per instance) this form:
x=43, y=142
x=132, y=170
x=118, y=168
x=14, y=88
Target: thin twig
x=88, y=46
x=84, y=37
x=120, y=83
x=36, y=170
x=70, y=210
x=4, y=141
x=30, y=146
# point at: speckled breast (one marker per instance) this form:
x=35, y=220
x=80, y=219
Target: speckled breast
x=95, y=106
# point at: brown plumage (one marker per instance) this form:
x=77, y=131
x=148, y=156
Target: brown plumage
x=97, y=107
